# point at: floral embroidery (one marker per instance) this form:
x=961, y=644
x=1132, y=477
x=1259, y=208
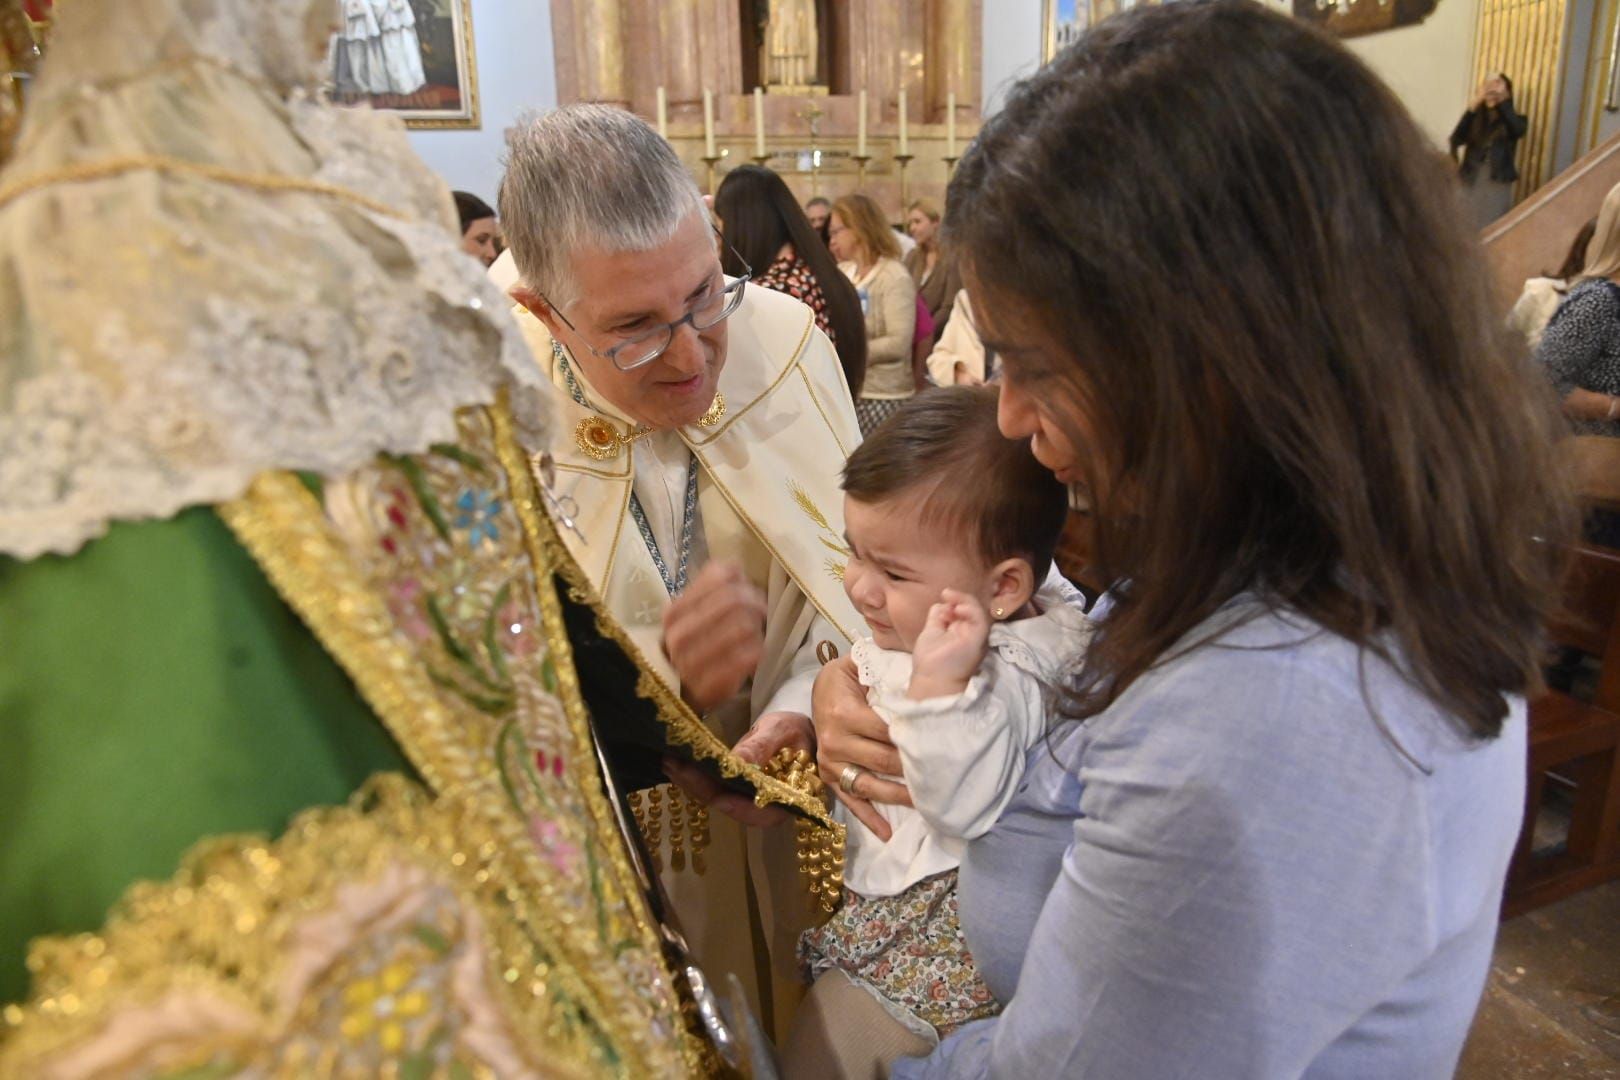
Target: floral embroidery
x=479, y=510
x=375, y=1005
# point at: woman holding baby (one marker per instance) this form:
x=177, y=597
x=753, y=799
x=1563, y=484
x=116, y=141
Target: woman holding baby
x=1266, y=831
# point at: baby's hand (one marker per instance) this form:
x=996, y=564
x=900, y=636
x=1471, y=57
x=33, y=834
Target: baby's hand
x=950, y=648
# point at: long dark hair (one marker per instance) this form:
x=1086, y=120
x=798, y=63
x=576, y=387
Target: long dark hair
x=1575, y=260
x=1274, y=348
x=758, y=214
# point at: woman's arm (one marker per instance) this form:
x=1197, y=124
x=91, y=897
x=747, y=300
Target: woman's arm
x=1515, y=122
x=894, y=293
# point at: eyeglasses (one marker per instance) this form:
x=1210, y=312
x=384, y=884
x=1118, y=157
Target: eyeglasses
x=645, y=347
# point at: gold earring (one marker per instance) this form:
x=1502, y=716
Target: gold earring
x=999, y=613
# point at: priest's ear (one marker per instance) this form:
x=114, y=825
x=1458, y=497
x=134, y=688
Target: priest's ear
x=1012, y=583
x=537, y=305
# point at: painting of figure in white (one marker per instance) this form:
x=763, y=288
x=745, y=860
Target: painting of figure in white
x=413, y=57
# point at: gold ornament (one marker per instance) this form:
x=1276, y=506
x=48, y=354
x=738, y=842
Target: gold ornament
x=820, y=849
x=716, y=413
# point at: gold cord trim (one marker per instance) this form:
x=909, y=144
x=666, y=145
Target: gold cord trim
x=268, y=182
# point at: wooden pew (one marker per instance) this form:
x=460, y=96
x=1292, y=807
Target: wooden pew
x=1576, y=743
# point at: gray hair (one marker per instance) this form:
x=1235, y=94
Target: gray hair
x=587, y=175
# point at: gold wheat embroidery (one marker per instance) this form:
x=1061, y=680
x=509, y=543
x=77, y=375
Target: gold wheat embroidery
x=830, y=539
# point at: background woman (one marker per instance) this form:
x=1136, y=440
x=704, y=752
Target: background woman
x=1580, y=349
x=480, y=232
x=1488, y=134
x=761, y=221
x=936, y=274
x=1276, y=845
x=869, y=255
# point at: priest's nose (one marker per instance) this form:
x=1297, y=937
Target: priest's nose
x=685, y=353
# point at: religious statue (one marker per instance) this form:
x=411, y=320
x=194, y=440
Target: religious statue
x=300, y=681
x=792, y=49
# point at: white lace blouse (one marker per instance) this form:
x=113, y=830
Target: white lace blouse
x=963, y=755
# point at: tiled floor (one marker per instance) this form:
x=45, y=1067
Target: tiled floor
x=1552, y=1006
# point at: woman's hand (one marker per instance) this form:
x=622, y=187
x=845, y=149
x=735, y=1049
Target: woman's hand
x=848, y=733
x=769, y=734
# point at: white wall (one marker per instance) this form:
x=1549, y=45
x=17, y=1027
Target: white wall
x=516, y=71
x=1011, y=46
x=1428, y=65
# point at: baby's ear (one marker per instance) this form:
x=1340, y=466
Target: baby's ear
x=1012, y=583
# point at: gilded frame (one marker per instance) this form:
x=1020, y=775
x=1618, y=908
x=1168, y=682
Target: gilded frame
x=448, y=54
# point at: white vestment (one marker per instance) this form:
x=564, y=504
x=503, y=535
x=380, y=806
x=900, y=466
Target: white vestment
x=769, y=501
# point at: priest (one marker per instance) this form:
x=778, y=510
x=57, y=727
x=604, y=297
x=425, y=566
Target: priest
x=705, y=423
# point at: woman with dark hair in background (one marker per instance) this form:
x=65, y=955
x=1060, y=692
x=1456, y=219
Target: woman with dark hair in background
x=1275, y=842
x=761, y=221
x=480, y=232
x=1488, y=134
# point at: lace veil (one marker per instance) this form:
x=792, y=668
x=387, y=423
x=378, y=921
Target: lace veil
x=207, y=272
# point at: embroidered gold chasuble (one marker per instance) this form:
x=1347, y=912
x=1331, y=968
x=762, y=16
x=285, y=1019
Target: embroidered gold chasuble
x=769, y=501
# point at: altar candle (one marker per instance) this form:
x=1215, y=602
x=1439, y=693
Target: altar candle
x=708, y=123
x=902, y=123
x=663, y=113
x=860, y=127
x=950, y=124
x=759, y=122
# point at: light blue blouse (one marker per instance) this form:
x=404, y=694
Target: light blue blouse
x=1271, y=857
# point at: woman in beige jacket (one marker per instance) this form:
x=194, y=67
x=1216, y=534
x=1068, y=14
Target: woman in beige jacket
x=868, y=253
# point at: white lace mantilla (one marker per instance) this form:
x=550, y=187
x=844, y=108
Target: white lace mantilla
x=167, y=336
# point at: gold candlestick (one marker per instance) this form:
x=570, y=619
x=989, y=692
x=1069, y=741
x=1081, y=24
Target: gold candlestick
x=950, y=166
x=760, y=159
x=904, y=160
x=860, y=164
x=711, y=162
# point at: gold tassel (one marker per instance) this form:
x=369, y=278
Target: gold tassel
x=820, y=850
x=688, y=831
x=677, y=829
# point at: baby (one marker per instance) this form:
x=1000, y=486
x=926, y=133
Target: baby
x=951, y=530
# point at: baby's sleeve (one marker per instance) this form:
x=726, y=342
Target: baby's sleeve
x=963, y=755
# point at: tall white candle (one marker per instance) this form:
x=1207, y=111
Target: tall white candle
x=663, y=113
x=708, y=123
x=860, y=127
x=950, y=124
x=903, y=142
x=759, y=122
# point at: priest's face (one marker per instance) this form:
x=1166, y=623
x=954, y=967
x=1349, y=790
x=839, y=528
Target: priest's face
x=623, y=295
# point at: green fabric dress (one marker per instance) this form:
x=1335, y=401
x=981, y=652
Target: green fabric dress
x=154, y=691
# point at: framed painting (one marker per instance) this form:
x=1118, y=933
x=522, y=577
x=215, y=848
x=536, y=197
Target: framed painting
x=413, y=57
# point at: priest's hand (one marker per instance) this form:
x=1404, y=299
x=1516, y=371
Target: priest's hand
x=849, y=733
x=714, y=634
x=769, y=734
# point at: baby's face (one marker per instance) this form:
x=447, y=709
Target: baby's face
x=899, y=563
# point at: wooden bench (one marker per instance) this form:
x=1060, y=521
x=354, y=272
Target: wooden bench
x=1576, y=743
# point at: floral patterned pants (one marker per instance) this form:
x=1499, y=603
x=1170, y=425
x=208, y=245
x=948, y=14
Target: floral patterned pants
x=909, y=948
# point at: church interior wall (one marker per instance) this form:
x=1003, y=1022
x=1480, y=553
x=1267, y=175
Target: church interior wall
x=1428, y=66
x=516, y=71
